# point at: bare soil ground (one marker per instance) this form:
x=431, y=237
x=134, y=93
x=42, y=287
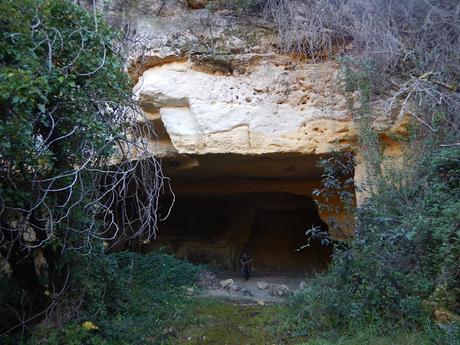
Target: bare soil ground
x=260, y=288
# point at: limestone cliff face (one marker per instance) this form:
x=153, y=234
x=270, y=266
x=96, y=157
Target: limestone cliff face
x=218, y=84
x=233, y=116
x=268, y=109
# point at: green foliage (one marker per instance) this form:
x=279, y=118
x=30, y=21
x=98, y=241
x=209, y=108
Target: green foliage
x=130, y=298
x=62, y=88
x=63, y=101
x=402, y=264
x=337, y=183
x=71, y=334
x=372, y=336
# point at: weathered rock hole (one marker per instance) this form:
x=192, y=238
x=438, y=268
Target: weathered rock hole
x=227, y=202
x=263, y=203
x=319, y=130
x=270, y=225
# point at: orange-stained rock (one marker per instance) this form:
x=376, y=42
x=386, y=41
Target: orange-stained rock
x=232, y=115
x=267, y=110
x=197, y=3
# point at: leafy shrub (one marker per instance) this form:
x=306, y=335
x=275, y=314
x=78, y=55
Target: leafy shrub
x=128, y=298
x=402, y=263
x=67, y=124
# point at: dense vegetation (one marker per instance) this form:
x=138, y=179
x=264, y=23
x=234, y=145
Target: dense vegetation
x=401, y=269
x=122, y=298
x=66, y=126
x=402, y=266
x=133, y=299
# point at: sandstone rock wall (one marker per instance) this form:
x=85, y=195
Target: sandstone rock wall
x=266, y=110
x=232, y=115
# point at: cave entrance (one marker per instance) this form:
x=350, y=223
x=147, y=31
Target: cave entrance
x=270, y=225
x=227, y=202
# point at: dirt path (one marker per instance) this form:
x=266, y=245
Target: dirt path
x=231, y=311
x=261, y=289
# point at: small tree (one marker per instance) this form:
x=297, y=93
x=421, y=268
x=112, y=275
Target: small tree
x=71, y=166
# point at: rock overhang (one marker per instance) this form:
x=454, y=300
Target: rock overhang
x=266, y=110
x=232, y=115
x=260, y=131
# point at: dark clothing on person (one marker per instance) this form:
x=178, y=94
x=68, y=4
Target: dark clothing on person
x=245, y=261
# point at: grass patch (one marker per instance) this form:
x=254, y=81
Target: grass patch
x=152, y=299
x=217, y=321
x=371, y=337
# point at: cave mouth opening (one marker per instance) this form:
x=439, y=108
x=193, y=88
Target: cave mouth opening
x=224, y=203
x=215, y=229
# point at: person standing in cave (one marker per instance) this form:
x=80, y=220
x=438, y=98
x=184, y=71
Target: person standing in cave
x=245, y=261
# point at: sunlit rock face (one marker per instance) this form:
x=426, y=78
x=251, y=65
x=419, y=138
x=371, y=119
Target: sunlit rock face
x=264, y=130
x=268, y=109
x=256, y=131
x=218, y=83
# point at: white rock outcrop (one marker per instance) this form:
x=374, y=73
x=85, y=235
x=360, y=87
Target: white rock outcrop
x=262, y=285
x=265, y=110
x=226, y=284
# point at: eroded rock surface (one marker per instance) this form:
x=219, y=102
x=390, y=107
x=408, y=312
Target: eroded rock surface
x=266, y=110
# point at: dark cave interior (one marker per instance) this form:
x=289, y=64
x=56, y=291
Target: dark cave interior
x=270, y=225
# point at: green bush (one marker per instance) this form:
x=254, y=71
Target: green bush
x=62, y=88
x=66, y=122
x=403, y=262
x=130, y=298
